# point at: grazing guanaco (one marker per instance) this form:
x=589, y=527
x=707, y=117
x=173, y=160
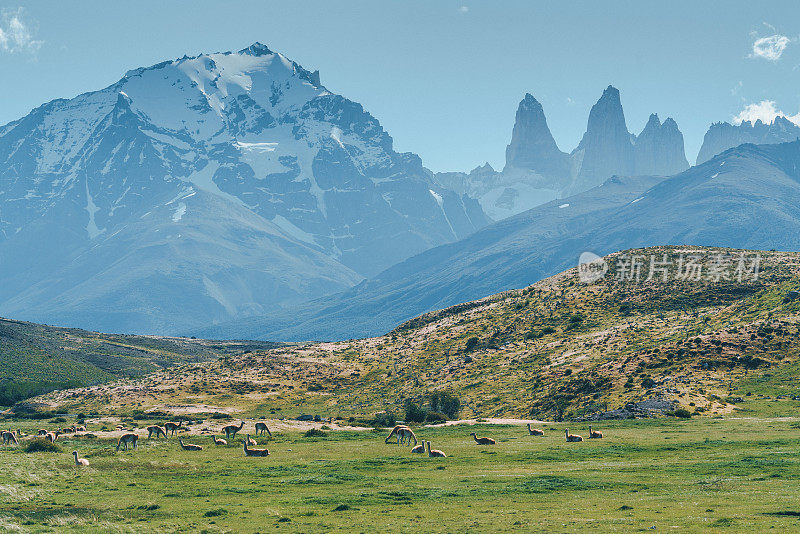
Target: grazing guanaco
x=594, y=434
x=253, y=452
x=189, y=446
x=261, y=428
x=434, y=453
x=80, y=429
x=403, y=433
x=482, y=441
x=52, y=436
x=534, y=431
x=80, y=461
x=126, y=439
x=572, y=437
x=420, y=449
x=172, y=427
x=230, y=431
x=157, y=430
x=9, y=437
x=42, y=432
x=219, y=441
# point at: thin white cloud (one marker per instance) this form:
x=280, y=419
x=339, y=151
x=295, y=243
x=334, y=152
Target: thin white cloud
x=16, y=34
x=463, y=9
x=765, y=111
x=770, y=48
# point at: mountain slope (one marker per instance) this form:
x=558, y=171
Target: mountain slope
x=748, y=197
x=558, y=349
x=235, y=181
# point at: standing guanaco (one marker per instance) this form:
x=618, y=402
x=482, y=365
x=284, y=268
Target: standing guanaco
x=126, y=439
x=261, y=428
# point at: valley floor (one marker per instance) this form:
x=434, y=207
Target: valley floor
x=736, y=474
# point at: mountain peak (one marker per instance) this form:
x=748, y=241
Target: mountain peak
x=532, y=145
x=610, y=93
x=256, y=49
x=530, y=102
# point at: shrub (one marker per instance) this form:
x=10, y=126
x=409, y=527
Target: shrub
x=548, y=330
x=471, y=344
x=385, y=419
x=42, y=445
x=435, y=417
x=216, y=513
x=682, y=413
x=314, y=433
x=414, y=412
x=445, y=402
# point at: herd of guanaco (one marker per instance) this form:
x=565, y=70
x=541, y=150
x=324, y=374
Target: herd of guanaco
x=402, y=433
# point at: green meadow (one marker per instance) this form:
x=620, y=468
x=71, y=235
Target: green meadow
x=667, y=474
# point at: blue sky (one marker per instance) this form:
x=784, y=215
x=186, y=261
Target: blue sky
x=443, y=77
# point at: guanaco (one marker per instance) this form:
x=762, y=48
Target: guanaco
x=253, y=452
x=534, y=431
x=482, y=441
x=572, y=437
x=80, y=461
x=189, y=446
x=219, y=441
x=434, y=453
x=230, y=431
x=171, y=427
x=126, y=439
x=594, y=434
x=419, y=449
x=261, y=428
x=157, y=430
x=9, y=437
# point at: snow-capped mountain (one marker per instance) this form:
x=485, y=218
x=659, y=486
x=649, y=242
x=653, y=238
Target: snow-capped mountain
x=204, y=189
x=722, y=135
x=537, y=171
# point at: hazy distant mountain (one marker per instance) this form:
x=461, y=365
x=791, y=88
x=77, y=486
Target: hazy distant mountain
x=537, y=171
x=722, y=135
x=205, y=189
x=747, y=197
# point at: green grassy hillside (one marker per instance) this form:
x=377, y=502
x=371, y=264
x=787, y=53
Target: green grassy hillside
x=34, y=357
x=559, y=349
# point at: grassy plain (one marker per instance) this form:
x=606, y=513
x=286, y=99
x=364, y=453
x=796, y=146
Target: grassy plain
x=709, y=474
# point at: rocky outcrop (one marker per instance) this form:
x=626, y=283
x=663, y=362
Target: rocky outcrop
x=606, y=148
x=532, y=145
x=658, y=150
x=722, y=135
